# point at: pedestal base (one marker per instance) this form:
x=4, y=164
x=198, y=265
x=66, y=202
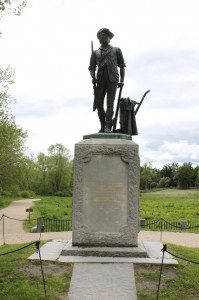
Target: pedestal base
x=139, y=251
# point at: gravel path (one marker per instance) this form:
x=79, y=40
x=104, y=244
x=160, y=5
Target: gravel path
x=14, y=233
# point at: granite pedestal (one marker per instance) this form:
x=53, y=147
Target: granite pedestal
x=106, y=194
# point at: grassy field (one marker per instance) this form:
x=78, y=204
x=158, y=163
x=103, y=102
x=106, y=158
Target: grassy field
x=170, y=204
x=178, y=282
x=20, y=279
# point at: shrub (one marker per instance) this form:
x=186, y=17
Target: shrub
x=59, y=194
x=27, y=194
x=164, y=182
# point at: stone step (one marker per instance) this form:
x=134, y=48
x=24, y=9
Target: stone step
x=70, y=250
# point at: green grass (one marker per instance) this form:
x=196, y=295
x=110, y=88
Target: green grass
x=51, y=207
x=20, y=279
x=170, y=204
x=177, y=281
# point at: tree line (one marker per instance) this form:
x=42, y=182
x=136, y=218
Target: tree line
x=170, y=175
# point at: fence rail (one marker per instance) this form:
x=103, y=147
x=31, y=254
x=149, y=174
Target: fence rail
x=154, y=225
x=53, y=225
x=163, y=225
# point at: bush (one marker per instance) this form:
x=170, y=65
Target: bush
x=59, y=194
x=12, y=192
x=164, y=182
x=27, y=194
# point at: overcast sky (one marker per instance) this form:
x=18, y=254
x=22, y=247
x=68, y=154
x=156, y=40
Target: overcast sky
x=49, y=47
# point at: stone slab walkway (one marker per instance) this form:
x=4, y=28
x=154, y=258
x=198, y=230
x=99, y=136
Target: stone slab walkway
x=102, y=281
x=50, y=251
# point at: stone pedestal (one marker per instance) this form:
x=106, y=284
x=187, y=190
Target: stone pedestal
x=106, y=192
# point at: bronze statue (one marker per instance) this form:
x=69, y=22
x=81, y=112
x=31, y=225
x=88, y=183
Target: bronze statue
x=107, y=59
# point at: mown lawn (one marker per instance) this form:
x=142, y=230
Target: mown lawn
x=170, y=204
x=20, y=279
x=178, y=282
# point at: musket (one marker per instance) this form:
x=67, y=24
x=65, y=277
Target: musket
x=141, y=101
x=117, y=109
x=94, y=79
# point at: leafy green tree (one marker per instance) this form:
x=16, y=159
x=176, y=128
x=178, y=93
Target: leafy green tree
x=164, y=182
x=148, y=175
x=54, y=172
x=60, y=170
x=12, y=138
x=195, y=175
x=169, y=171
x=184, y=176
x=197, y=179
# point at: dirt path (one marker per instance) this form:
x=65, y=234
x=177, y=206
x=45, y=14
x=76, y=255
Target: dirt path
x=14, y=233
x=17, y=210
x=178, y=238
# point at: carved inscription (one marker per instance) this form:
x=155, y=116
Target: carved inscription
x=105, y=193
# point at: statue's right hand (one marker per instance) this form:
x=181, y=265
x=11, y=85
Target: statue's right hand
x=94, y=80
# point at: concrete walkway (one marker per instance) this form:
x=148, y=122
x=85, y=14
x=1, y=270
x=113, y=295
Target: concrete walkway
x=102, y=281
x=14, y=233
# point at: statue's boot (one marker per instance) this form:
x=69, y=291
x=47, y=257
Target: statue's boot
x=108, y=126
x=102, y=122
x=109, y=122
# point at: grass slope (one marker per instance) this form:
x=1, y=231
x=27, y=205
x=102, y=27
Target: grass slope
x=178, y=282
x=20, y=279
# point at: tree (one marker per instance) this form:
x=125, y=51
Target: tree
x=148, y=176
x=184, y=176
x=164, y=182
x=197, y=180
x=12, y=6
x=55, y=172
x=195, y=176
x=60, y=171
x=12, y=138
x=169, y=171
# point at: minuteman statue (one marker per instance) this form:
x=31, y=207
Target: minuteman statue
x=107, y=59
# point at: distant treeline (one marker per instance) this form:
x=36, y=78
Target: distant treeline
x=171, y=175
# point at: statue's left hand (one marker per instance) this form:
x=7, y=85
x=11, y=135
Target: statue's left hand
x=120, y=84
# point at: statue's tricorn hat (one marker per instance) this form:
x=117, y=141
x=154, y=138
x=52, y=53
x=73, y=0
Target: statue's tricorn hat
x=107, y=31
